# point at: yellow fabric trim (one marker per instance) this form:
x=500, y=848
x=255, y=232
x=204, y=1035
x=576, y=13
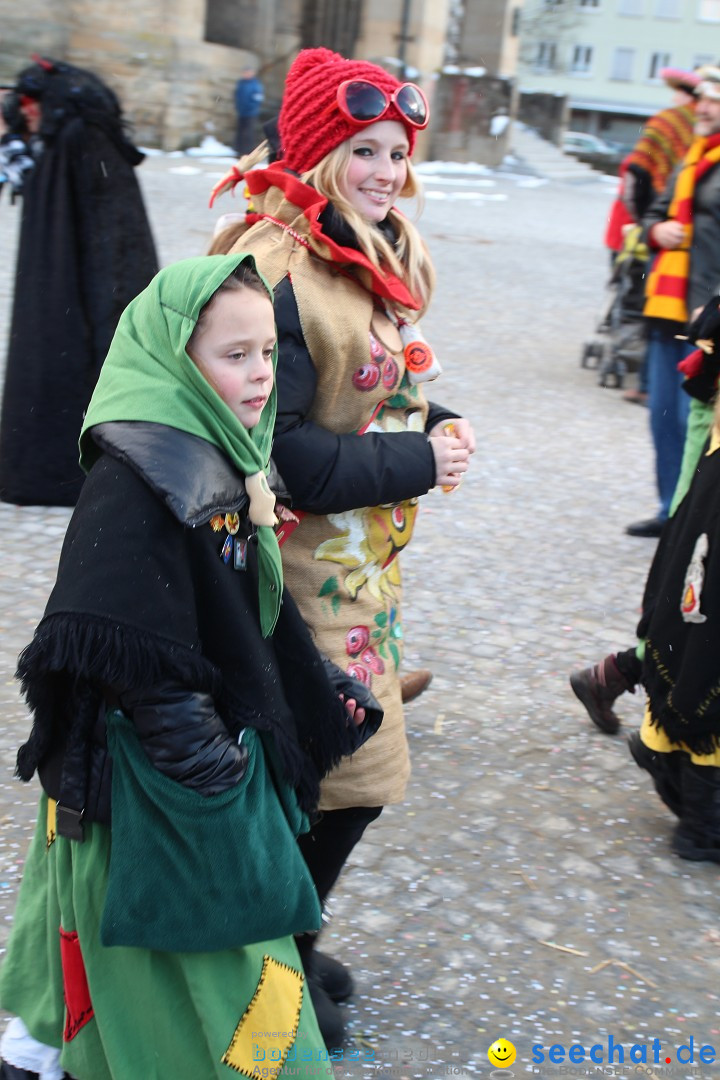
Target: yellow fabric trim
x=51, y=826
x=269, y=1025
x=714, y=441
x=655, y=739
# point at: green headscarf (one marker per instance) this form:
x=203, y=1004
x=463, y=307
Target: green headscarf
x=149, y=376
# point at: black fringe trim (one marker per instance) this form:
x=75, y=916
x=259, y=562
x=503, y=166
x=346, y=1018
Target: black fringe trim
x=72, y=656
x=700, y=732
x=305, y=756
x=70, y=651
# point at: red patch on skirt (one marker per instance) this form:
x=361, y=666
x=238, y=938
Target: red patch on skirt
x=77, y=993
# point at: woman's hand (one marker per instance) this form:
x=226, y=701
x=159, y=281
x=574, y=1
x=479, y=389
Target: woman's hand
x=354, y=711
x=462, y=429
x=452, y=451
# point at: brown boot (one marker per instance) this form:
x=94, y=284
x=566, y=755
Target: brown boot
x=597, y=687
x=414, y=683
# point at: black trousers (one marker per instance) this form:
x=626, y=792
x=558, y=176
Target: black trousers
x=326, y=849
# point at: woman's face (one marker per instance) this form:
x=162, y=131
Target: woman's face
x=378, y=169
x=233, y=349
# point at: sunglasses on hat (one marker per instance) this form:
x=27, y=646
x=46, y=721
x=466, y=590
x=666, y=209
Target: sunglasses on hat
x=364, y=103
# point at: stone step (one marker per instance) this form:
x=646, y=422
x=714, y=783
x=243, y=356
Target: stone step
x=546, y=159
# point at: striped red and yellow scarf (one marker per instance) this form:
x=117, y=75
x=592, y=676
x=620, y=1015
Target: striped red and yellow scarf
x=667, y=284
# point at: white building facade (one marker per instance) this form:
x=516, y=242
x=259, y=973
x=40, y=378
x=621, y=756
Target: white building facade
x=605, y=55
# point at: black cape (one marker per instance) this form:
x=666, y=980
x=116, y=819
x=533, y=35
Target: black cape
x=681, y=618
x=85, y=251
x=143, y=596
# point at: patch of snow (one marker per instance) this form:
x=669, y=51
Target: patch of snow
x=464, y=167
x=211, y=147
x=185, y=170
x=498, y=124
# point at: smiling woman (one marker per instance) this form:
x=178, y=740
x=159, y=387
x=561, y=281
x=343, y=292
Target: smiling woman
x=356, y=442
x=377, y=171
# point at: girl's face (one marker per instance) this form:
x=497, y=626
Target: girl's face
x=233, y=349
x=378, y=169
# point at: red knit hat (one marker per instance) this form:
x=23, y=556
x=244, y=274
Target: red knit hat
x=309, y=127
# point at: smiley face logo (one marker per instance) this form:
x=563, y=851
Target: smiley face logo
x=501, y=1054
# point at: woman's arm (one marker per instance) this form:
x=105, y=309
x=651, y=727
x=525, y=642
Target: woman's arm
x=185, y=738
x=328, y=473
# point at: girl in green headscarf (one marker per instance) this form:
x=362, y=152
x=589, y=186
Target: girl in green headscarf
x=182, y=711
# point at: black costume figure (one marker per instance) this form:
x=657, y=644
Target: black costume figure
x=85, y=251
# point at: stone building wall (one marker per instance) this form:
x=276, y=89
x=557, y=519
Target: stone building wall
x=472, y=118
x=174, y=85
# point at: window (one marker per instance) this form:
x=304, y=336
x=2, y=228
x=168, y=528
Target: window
x=546, y=56
x=588, y=3
x=631, y=7
x=668, y=9
x=515, y=24
x=581, y=59
x=658, y=60
x=622, y=64
x=230, y=23
x=709, y=10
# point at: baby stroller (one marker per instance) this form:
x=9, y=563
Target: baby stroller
x=620, y=341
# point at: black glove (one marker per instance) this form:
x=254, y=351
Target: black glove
x=350, y=687
x=185, y=738
x=706, y=327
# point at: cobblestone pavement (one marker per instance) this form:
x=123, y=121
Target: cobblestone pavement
x=525, y=889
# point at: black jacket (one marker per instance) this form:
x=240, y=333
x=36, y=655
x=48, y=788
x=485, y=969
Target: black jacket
x=328, y=473
x=146, y=614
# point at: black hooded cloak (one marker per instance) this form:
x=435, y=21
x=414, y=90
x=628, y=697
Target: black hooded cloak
x=85, y=251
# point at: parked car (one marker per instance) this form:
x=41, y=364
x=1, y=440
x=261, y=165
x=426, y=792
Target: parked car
x=593, y=150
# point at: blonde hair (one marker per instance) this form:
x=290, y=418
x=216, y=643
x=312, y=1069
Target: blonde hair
x=408, y=258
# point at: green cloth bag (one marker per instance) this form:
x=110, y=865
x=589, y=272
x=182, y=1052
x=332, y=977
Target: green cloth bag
x=190, y=873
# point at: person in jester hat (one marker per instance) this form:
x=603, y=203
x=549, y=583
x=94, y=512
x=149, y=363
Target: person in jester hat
x=356, y=441
x=183, y=719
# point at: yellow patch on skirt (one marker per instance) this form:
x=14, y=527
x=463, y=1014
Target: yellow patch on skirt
x=269, y=1025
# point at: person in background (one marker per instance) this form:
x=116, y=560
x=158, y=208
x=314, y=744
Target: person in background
x=682, y=228
x=598, y=687
x=16, y=160
x=249, y=96
x=664, y=140
x=679, y=739
x=356, y=441
x=85, y=250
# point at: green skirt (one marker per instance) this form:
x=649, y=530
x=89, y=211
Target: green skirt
x=126, y=1013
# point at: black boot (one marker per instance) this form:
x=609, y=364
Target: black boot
x=697, y=837
x=597, y=687
x=333, y=976
x=12, y=1072
x=665, y=770
x=328, y=982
